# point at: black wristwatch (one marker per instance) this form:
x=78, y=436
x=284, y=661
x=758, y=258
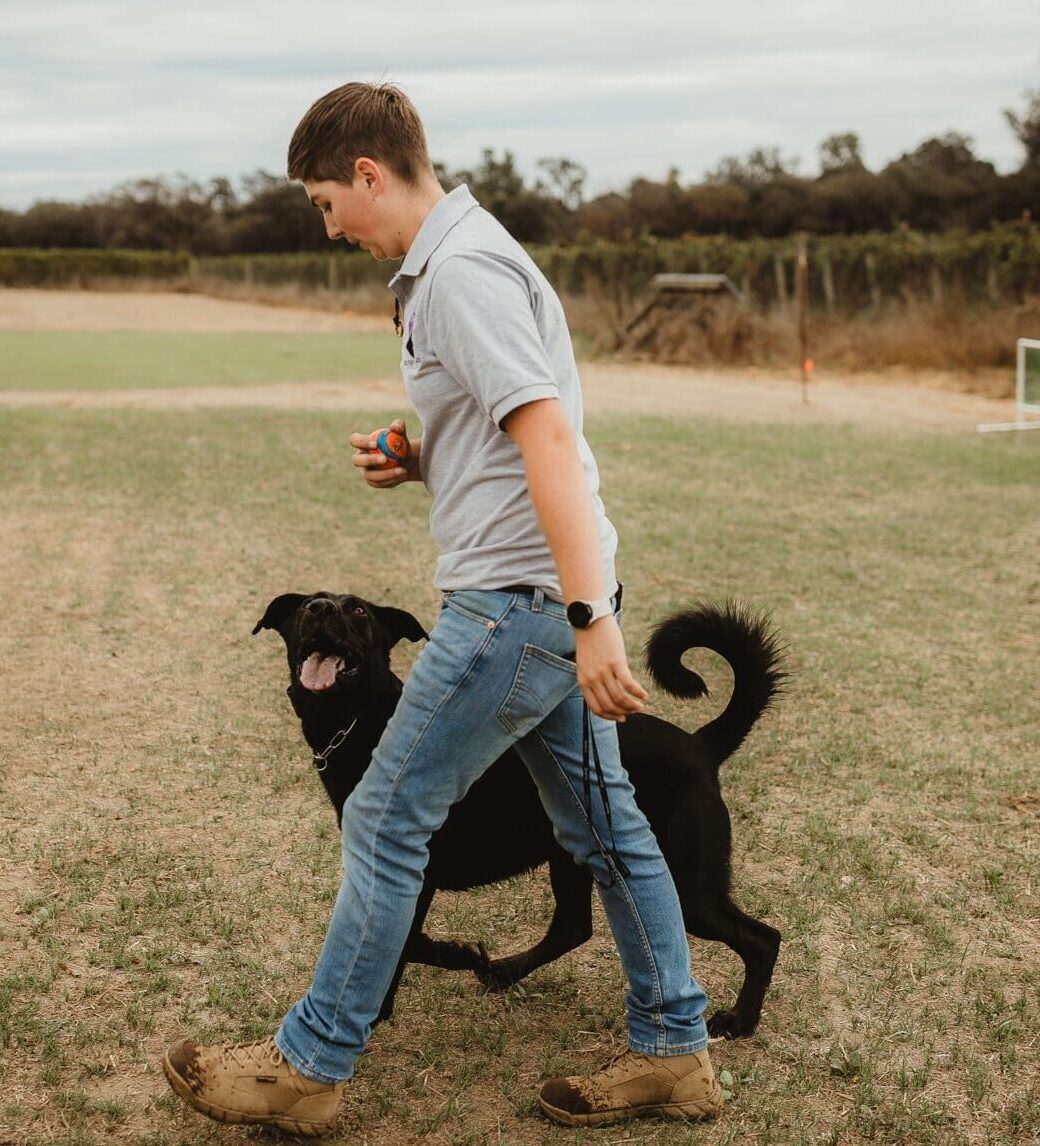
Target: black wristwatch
x=581, y=614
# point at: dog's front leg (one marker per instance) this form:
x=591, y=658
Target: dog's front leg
x=451, y=954
x=422, y=907
x=570, y=927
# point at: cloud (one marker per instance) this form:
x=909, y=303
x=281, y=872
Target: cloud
x=94, y=93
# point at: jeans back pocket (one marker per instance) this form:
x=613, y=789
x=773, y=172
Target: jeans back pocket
x=541, y=682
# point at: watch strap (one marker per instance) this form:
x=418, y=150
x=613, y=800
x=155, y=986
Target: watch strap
x=593, y=610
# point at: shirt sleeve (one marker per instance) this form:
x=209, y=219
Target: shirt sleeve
x=481, y=325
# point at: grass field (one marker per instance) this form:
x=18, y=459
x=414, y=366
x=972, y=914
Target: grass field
x=75, y=360
x=167, y=859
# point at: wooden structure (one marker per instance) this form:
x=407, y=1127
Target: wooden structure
x=670, y=293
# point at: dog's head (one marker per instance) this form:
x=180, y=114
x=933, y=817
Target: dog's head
x=336, y=643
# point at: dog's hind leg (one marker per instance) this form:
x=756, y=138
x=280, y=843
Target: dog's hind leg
x=713, y=917
x=570, y=927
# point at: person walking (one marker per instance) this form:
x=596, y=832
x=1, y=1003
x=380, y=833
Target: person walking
x=527, y=651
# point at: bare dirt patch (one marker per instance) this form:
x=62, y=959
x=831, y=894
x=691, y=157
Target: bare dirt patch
x=894, y=399
x=890, y=400
x=166, y=311
x=609, y=389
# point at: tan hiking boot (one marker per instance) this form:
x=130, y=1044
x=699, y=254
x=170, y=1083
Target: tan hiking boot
x=251, y=1082
x=675, y=1086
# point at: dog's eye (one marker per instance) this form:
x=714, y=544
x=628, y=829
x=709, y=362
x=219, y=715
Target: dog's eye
x=359, y=610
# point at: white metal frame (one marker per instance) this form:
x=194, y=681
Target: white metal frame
x=1022, y=407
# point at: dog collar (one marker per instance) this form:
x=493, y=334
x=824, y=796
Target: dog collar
x=321, y=759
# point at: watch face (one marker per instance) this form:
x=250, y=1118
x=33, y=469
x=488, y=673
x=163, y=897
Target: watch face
x=579, y=614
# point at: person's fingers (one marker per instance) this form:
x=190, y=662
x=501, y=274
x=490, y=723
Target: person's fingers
x=598, y=709
x=378, y=470
x=615, y=696
x=622, y=686
x=372, y=459
x=630, y=688
x=386, y=478
x=605, y=701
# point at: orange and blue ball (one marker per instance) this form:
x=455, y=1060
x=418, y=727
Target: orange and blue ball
x=393, y=445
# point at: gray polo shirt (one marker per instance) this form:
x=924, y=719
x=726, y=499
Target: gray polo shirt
x=484, y=333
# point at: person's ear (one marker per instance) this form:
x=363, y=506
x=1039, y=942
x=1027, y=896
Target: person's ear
x=369, y=171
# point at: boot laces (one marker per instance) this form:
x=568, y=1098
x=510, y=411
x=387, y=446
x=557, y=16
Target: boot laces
x=262, y=1054
x=619, y=1067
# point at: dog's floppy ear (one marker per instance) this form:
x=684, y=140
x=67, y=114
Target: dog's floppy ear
x=398, y=624
x=279, y=611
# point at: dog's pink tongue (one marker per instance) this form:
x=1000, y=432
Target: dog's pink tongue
x=318, y=672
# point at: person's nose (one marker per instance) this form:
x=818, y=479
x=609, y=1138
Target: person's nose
x=332, y=228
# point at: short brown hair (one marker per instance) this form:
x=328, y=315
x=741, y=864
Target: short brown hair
x=377, y=121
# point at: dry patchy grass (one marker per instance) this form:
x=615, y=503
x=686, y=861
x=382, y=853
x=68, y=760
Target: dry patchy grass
x=169, y=861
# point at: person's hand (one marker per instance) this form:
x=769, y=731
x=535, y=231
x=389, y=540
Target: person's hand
x=606, y=681
x=379, y=471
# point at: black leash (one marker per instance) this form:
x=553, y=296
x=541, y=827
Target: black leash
x=588, y=740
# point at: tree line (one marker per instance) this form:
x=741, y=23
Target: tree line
x=940, y=185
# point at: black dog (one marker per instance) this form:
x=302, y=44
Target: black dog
x=344, y=692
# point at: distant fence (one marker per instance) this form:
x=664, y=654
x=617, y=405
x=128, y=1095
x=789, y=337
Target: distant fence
x=847, y=273
x=343, y=271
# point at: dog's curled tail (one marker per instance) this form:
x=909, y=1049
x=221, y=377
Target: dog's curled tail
x=747, y=641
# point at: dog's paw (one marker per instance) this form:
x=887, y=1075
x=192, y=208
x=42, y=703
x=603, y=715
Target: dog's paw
x=729, y=1025
x=477, y=959
x=500, y=974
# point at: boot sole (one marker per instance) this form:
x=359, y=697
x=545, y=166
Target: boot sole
x=687, y=1112
x=221, y=1114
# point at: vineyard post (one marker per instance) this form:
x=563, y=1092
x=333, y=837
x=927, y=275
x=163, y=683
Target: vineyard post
x=870, y=261
x=937, y=284
x=801, y=291
x=828, y=283
x=781, y=282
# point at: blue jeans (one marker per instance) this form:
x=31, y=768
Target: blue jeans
x=498, y=671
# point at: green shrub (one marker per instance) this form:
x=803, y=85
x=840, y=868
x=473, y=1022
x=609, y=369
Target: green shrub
x=20, y=267
x=848, y=272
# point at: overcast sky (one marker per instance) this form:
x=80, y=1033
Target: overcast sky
x=94, y=92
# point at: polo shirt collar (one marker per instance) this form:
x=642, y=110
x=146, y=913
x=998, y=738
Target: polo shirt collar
x=443, y=215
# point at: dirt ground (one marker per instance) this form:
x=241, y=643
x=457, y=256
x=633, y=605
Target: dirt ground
x=166, y=857
x=163, y=311
x=897, y=399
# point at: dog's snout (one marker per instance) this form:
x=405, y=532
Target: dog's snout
x=321, y=606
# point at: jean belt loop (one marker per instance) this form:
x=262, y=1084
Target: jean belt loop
x=537, y=600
